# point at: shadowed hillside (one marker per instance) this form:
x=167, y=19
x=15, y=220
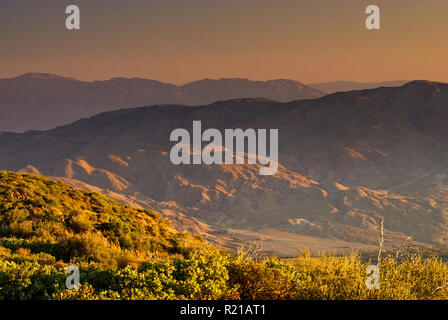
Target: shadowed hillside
x=347, y=160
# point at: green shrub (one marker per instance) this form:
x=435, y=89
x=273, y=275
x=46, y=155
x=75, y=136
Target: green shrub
x=266, y=280
x=80, y=222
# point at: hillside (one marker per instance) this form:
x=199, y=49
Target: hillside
x=36, y=101
x=56, y=222
x=347, y=160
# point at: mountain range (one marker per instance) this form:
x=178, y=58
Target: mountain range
x=346, y=161
x=40, y=101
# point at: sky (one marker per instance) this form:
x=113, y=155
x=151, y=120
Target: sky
x=178, y=41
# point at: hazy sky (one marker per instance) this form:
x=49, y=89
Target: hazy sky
x=183, y=40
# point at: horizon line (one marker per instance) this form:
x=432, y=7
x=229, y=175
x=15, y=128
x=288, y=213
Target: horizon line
x=63, y=77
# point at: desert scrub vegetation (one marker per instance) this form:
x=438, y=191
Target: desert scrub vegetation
x=74, y=225
x=204, y=276
x=129, y=253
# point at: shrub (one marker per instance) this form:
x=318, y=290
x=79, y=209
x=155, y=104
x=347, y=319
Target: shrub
x=265, y=280
x=80, y=222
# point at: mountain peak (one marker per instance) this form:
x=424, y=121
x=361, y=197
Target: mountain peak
x=420, y=83
x=43, y=76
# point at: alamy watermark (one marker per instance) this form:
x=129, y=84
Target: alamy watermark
x=373, y=280
x=373, y=20
x=73, y=20
x=72, y=281
x=230, y=151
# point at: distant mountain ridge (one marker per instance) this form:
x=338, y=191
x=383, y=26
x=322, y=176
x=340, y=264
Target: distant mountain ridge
x=340, y=86
x=345, y=161
x=40, y=101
